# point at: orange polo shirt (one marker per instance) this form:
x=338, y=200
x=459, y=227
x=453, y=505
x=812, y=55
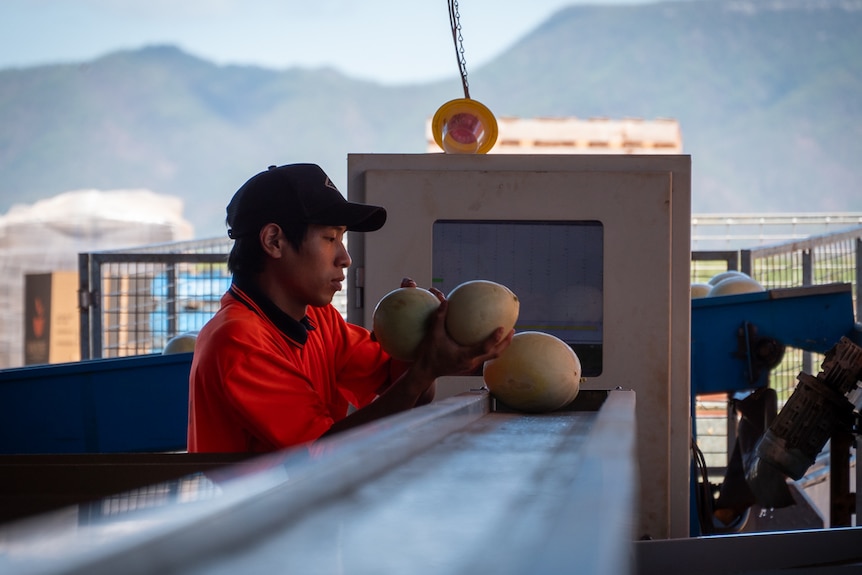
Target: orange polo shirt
x=261, y=381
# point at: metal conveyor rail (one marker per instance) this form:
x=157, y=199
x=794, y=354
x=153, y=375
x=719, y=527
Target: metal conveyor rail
x=453, y=487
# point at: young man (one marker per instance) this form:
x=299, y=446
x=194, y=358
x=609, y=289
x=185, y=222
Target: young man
x=277, y=365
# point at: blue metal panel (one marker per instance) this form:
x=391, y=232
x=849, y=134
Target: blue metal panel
x=115, y=405
x=808, y=318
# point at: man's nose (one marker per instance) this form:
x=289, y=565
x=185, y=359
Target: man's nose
x=344, y=258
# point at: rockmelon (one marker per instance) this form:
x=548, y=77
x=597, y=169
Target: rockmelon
x=401, y=319
x=538, y=372
x=735, y=285
x=181, y=343
x=724, y=275
x=477, y=308
x=699, y=290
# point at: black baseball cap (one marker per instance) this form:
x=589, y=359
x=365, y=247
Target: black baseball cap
x=296, y=193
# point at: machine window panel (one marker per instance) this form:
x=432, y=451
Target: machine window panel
x=554, y=267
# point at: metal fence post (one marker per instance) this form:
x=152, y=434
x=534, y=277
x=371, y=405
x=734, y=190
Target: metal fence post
x=808, y=267
x=171, y=303
x=84, y=305
x=745, y=262
x=858, y=278
x=807, y=280
x=95, y=306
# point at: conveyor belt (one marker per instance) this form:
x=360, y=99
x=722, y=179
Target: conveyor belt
x=453, y=487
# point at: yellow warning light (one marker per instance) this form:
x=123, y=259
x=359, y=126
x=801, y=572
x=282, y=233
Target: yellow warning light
x=464, y=126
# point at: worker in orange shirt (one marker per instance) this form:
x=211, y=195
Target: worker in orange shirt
x=277, y=365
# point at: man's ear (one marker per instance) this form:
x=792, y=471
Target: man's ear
x=271, y=240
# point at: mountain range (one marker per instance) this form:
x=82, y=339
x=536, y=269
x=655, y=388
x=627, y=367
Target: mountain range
x=768, y=94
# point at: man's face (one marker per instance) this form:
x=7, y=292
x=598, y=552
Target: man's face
x=315, y=272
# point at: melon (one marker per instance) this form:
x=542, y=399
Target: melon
x=181, y=343
x=538, y=372
x=735, y=285
x=724, y=275
x=699, y=290
x=401, y=319
x=477, y=308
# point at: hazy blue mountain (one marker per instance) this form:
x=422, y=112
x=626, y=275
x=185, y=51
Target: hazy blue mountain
x=768, y=95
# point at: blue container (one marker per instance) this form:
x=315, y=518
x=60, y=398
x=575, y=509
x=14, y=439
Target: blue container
x=129, y=404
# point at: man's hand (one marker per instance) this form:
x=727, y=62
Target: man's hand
x=440, y=355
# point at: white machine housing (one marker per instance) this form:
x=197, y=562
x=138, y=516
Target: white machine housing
x=643, y=203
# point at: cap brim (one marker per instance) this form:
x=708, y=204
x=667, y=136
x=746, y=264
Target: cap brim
x=355, y=217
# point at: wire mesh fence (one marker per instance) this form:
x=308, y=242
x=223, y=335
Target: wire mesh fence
x=134, y=301
x=825, y=259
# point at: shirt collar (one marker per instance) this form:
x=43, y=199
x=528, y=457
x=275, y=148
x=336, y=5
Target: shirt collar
x=295, y=330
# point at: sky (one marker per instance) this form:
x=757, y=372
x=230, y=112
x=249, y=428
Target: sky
x=395, y=42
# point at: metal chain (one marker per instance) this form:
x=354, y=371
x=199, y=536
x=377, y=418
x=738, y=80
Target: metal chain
x=458, y=39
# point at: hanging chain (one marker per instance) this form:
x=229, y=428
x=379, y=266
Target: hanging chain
x=458, y=39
